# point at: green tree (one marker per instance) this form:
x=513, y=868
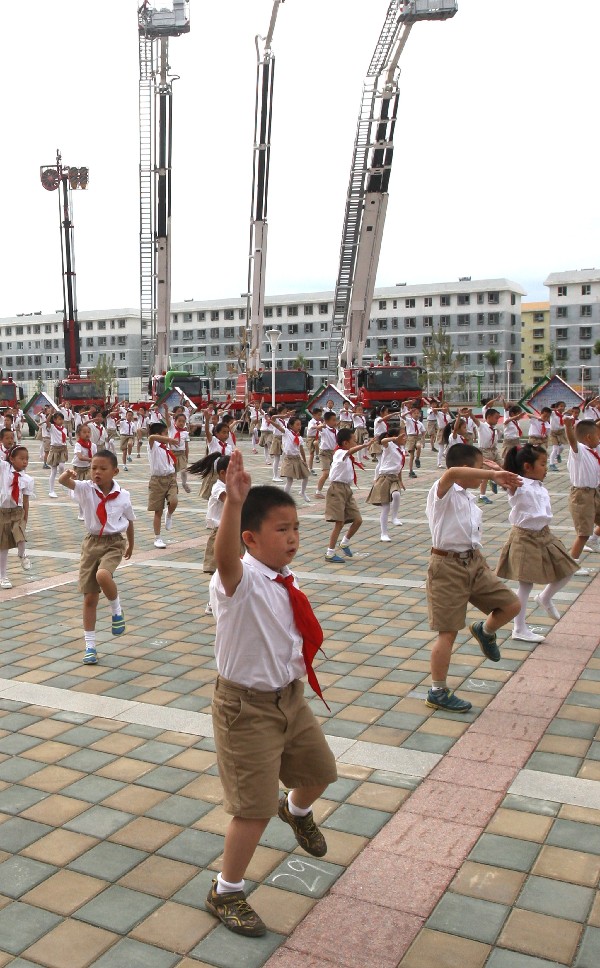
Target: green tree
x=439, y=359
x=550, y=357
x=39, y=384
x=212, y=369
x=493, y=358
x=300, y=363
x=104, y=376
x=596, y=350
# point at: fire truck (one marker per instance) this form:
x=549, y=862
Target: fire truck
x=366, y=205
x=10, y=393
x=192, y=384
x=292, y=387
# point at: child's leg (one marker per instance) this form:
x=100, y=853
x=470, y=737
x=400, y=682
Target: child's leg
x=288, y=484
x=350, y=532
x=124, y=453
x=25, y=562
x=441, y=458
x=383, y=521
x=321, y=482
x=90, y=606
x=554, y=453
x=545, y=597
x=523, y=593
x=441, y=654
x=3, y=563
x=337, y=527
x=53, y=473
x=578, y=546
x=500, y=616
x=156, y=523
x=241, y=840
x=396, y=507
x=276, y=460
x=303, y=485
x=266, y=450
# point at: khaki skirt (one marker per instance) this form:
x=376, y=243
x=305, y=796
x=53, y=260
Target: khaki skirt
x=266, y=436
x=207, y=483
x=276, y=449
x=294, y=467
x=11, y=528
x=344, y=424
x=360, y=433
x=383, y=488
x=537, y=441
x=83, y=473
x=181, y=461
x=57, y=455
x=535, y=556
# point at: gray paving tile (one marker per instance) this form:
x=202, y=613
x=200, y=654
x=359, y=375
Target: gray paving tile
x=469, y=917
x=554, y=763
x=16, y=799
x=197, y=847
x=224, y=949
x=99, y=822
x=21, y=925
x=132, y=954
x=356, y=820
x=429, y=742
x=108, y=861
x=16, y=833
x=143, y=732
x=589, y=952
x=154, y=752
x=501, y=958
x=309, y=876
x=118, y=909
x=87, y=761
x=16, y=743
x=552, y=897
x=82, y=735
x=516, y=855
x=573, y=835
x=20, y=874
x=278, y=835
x=93, y=789
x=17, y=768
x=183, y=811
x=167, y=778
x=341, y=789
x=17, y=721
x=572, y=727
x=547, y=808
x=343, y=727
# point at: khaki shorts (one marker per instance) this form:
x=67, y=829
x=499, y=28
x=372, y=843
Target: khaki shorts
x=537, y=441
x=104, y=552
x=584, y=505
x=326, y=459
x=209, y=565
x=558, y=437
x=340, y=504
x=57, y=454
x=454, y=582
x=263, y=738
x=313, y=445
x=125, y=442
x=491, y=453
x=162, y=489
x=411, y=442
x=509, y=444
x=181, y=461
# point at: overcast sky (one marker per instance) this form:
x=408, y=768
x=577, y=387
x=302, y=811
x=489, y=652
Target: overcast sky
x=495, y=171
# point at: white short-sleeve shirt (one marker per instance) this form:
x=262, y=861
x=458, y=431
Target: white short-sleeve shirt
x=454, y=519
x=119, y=511
x=530, y=506
x=215, y=504
x=584, y=467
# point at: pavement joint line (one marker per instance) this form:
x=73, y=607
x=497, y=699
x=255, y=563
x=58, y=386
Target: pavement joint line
x=554, y=786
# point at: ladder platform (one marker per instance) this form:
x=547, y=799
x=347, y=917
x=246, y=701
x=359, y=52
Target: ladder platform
x=415, y=10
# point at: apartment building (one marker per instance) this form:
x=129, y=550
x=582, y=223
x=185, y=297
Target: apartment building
x=575, y=325
x=535, y=341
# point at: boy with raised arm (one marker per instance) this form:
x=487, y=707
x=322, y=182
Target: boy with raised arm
x=266, y=638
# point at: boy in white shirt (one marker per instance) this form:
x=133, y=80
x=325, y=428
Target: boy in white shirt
x=327, y=445
x=162, y=486
x=127, y=430
x=107, y=513
x=458, y=573
x=584, y=472
x=340, y=506
x=414, y=437
x=557, y=438
x=512, y=432
x=313, y=430
x=539, y=426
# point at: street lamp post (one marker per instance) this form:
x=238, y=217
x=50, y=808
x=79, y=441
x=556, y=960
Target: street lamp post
x=582, y=380
x=273, y=336
x=509, y=364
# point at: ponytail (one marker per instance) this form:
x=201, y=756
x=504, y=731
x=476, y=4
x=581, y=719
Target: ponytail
x=517, y=457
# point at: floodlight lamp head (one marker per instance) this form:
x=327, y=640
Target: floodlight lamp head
x=273, y=336
x=49, y=179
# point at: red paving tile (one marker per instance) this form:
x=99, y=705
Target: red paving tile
x=428, y=838
x=464, y=804
x=495, y=722
x=521, y=702
x=554, y=667
x=346, y=936
x=465, y=772
x=487, y=749
x=538, y=685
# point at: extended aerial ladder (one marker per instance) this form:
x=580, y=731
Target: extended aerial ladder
x=156, y=124
x=367, y=198
x=257, y=259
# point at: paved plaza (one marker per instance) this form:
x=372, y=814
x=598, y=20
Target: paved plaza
x=453, y=840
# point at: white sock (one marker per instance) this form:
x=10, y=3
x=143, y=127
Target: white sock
x=523, y=593
x=297, y=811
x=53, y=477
x=288, y=484
x=330, y=552
x=115, y=606
x=90, y=640
x=438, y=686
x=303, y=488
x=266, y=450
x=395, y=504
x=344, y=542
x=551, y=590
x=224, y=887
x=276, y=466
x=384, y=517
x=3, y=562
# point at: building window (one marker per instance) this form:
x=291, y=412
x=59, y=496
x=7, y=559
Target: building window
x=463, y=339
x=215, y=351
x=202, y=334
x=293, y=348
x=410, y=323
x=480, y=319
x=410, y=342
x=493, y=319
x=324, y=309
x=409, y=303
x=562, y=312
x=241, y=313
x=538, y=365
x=492, y=338
x=323, y=364
x=382, y=324
x=394, y=322
x=480, y=298
x=227, y=314
x=427, y=321
x=538, y=348
x=428, y=302
x=382, y=304
x=292, y=310
x=427, y=341
x=201, y=317
x=308, y=327
x=308, y=347
x=585, y=352
x=88, y=326
x=586, y=290
x=227, y=332
x=308, y=309
x=293, y=329
x=410, y=361
x=214, y=315
x=538, y=317
x=214, y=333
x=585, y=310
x=493, y=298
x=562, y=333
x=444, y=300
x=538, y=334
x=444, y=320
x=188, y=334
x=187, y=317
x=585, y=332
x=279, y=314
x=562, y=354
x=268, y=312
x=323, y=327
x=102, y=324
x=102, y=341
x=464, y=319
x=562, y=290
x=464, y=298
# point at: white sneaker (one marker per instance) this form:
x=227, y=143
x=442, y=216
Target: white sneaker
x=159, y=543
x=306, y=498
x=80, y=517
x=208, y=610
x=319, y=495
x=25, y=563
x=397, y=521
x=168, y=522
x=592, y=546
x=5, y=583
x=278, y=480
x=527, y=636
x=186, y=488
x=52, y=494
x=583, y=571
x=550, y=609
x=385, y=537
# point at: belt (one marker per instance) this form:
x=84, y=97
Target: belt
x=259, y=695
x=453, y=554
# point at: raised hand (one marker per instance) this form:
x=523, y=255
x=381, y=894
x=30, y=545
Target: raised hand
x=237, y=481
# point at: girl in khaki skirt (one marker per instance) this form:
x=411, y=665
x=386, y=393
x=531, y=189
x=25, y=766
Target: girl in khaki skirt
x=532, y=555
x=293, y=465
x=58, y=454
x=218, y=464
x=15, y=489
x=388, y=486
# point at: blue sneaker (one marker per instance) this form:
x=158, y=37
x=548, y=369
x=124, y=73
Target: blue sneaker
x=118, y=624
x=559, y=458
x=484, y=500
x=347, y=550
x=335, y=559
x=487, y=643
x=553, y=467
x=90, y=656
x=446, y=699
x=494, y=487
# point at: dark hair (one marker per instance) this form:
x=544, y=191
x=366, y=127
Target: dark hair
x=343, y=436
x=523, y=454
x=260, y=501
x=156, y=428
x=463, y=455
x=107, y=455
x=219, y=427
x=514, y=410
x=546, y=410
x=15, y=450
x=205, y=466
x=557, y=403
x=226, y=418
x=5, y=430
x=491, y=411
x=55, y=417
x=328, y=414
x=317, y=410
x=583, y=428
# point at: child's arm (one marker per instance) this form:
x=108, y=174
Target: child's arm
x=25, y=508
x=357, y=447
x=207, y=429
x=129, y=548
x=67, y=479
x=278, y=424
x=227, y=542
x=570, y=429
x=160, y=439
x=476, y=475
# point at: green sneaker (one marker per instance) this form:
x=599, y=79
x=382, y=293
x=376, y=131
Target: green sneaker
x=487, y=643
x=305, y=829
x=235, y=912
x=446, y=699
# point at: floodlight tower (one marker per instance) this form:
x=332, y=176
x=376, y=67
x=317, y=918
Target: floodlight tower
x=155, y=27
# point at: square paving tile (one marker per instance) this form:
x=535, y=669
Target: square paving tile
x=16, y=833
x=224, y=949
x=22, y=924
x=517, y=855
x=575, y=836
x=72, y=944
x=313, y=877
x=107, y=861
x=547, y=896
x=174, y=927
x=118, y=909
x=59, y=847
x=99, y=822
x=589, y=953
x=489, y=883
x=469, y=917
x=64, y=892
x=542, y=936
x=198, y=846
x=159, y=876
x=20, y=874
x=573, y=866
x=182, y=810
x=435, y=948
x=357, y=820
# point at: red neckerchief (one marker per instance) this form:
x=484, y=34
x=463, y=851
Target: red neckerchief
x=296, y=440
x=62, y=433
x=169, y=453
x=593, y=452
x=14, y=491
x=519, y=431
x=233, y=437
x=88, y=446
x=446, y=417
x=223, y=445
x=355, y=464
x=558, y=414
x=101, y=512
x=177, y=435
x=493, y=429
x=544, y=431
x=308, y=626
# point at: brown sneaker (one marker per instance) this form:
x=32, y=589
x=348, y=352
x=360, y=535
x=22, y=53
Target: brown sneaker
x=235, y=912
x=305, y=829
